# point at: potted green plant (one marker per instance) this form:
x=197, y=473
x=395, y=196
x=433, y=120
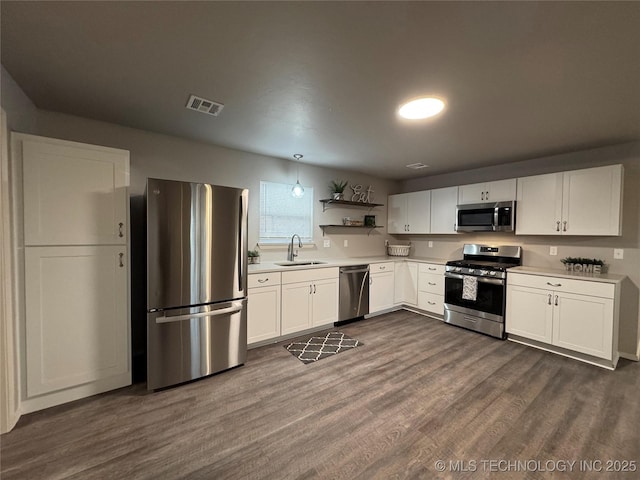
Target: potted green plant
x=254, y=256
x=336, y=188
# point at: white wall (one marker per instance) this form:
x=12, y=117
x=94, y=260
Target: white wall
x=536, y=248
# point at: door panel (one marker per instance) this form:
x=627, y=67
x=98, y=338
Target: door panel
x=263, y=311
x=539, y=205
x=325, y=302
x=74, y=195
x=397, y=214
x=443, y=210
x=196, y=236
x=296, y=307
x=185, y=344
x=529, y=313
x=419, y=211
x=76, y=316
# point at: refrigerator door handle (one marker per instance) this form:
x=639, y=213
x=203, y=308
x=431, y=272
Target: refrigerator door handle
x=214, y=313
x=242, y=254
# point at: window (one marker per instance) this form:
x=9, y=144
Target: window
x=282, y=215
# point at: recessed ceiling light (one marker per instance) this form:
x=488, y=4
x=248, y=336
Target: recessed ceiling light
x=417, y=166
x=421, y=108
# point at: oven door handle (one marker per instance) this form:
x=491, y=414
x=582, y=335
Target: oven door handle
x=493, y=281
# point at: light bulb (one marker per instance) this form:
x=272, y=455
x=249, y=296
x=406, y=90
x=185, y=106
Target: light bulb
x=297, y=191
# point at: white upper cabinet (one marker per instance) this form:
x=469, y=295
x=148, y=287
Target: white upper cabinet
x=443, y=210
x=74, y=194
x=592, y=201
x=498, y=191
x=578, y=202
x=409, y=212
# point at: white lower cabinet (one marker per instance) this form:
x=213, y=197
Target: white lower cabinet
x=381, y=286
x=406, y=283
x=309, y=299
x=431, y=288
x=77, y=328
x=263, y=311
x=576, y=315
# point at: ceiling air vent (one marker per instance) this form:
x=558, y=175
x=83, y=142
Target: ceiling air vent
x=417, y=166
x=203, y=105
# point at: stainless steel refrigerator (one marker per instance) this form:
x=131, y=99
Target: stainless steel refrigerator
x=196, y=280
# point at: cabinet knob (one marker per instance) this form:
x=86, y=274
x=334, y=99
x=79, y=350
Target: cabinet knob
x=120, y=233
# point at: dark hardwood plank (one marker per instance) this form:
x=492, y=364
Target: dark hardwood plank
x=417, y=391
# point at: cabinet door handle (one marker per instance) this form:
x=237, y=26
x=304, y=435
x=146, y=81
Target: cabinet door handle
x=431, y=268
x=310, y=289
x=549, y=299
x=554, y=284
x=556, y=302
x=370, y=280
x=262, y=280
x=314, y=288
x=564, y=226
x=382, y=267
x=120, y=233
x=558, y=226
x=431, y=303
x=482, y=196
x=486, y=195
x=431, y=283
x=121, y=256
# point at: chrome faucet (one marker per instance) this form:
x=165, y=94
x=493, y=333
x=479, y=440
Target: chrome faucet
x=291, y=255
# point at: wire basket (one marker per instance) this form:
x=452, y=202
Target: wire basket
x=398, y=250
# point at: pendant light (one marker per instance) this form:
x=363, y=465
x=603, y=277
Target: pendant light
x=297, y=191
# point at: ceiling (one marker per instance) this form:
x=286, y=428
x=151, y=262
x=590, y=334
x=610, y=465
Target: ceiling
x=324, y=79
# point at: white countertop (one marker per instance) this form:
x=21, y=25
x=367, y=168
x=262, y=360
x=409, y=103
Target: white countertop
x=265, y=267
x=557, y=272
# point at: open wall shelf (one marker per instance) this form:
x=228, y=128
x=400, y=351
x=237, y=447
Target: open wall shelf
x=350, y=226
x=327, y=202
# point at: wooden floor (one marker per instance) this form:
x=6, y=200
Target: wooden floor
x=418, y=391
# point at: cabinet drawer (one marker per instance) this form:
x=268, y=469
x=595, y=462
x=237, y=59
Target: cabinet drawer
x=431, y=268
x=429, y=282
x=381, y=267
x=557, y=284
x=431, y=302
x=263, y=279
x=309, y=275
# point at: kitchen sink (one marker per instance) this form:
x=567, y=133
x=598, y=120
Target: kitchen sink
x=300, y=263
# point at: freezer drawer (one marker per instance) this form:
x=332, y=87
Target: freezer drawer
x=189, y=343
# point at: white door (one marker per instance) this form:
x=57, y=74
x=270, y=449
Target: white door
x=584, y=324
x=397, y=213
x=500, y=191
x=530, y=313
x=74, y=194
x=76, y=316
x=296, y=307
x=591, y=201
x=263, y=314
x=324, y=302
x=539, y=205
x=473, y=193
x=443, y=210
x=419, y=211
x=381, y=288
x=407, y=283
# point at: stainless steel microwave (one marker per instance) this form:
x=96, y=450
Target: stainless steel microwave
x=486, y=217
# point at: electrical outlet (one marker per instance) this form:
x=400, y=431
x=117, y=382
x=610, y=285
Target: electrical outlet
x=618, y=253
x=553, y=250
x=327, y=243
x=430, y=244
x=346, y=243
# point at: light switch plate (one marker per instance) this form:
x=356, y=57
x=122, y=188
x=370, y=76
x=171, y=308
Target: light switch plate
x=553, y=250
x=618, y=253
x=346, y=243
x=430, y=244
x=327, y=243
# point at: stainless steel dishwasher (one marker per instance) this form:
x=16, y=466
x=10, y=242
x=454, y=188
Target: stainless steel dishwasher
x=354, y=292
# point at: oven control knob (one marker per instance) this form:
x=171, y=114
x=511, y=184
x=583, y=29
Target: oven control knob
x=483, y=272
x=492, y=273
x=457, y=269
x=471, y=270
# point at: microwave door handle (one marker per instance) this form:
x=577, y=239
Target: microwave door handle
x=496, y=218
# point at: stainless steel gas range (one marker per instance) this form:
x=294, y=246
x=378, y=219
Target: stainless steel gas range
x=475, y=287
